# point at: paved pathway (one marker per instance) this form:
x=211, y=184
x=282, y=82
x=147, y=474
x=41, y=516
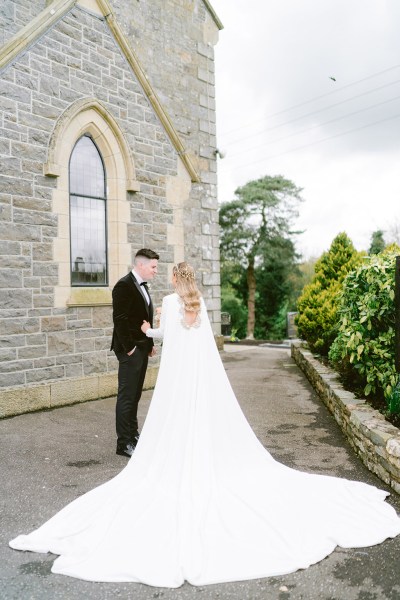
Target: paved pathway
x=49, y=458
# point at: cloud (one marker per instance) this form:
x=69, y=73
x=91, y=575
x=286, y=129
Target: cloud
x=278, y=111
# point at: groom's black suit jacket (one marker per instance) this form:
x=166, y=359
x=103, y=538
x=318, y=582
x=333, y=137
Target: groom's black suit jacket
x=130, y=309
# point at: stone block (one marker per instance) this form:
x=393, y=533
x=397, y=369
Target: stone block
x=53, y=323
x=84, y=345
x=211, y=279
x=84, y=312
x=15, y=92
x=69, y=359
x=81, y=324
x=88, y=333
x=44, y=361
x=102, y=316
x=75, y=390
x=22, y=400
x=43, y=300
x=44, y=269
x=151, y=378
x=10, y=278
x=36, y=339
x=102, y=343
x=49, y=86
x=16, y=185
x=379, y=431
x=393, y=447
x=10, y=248
x=61, y=342
x=34, y=217
x=19, y=232
x=55, y=372
x=32, y=351
x=219, y=340
x=18, y=326
x=74, y=370
x=9, y=165
x=94, y=362
x=12, y=341
x=395, y=485
x=35, y=122
x=12, y=379
x=8, y=354
x=108, y=384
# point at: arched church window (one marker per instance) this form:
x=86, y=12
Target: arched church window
x=88, y=206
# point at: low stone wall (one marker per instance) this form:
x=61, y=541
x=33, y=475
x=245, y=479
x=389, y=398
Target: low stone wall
x=376, y=441
x=21, y=399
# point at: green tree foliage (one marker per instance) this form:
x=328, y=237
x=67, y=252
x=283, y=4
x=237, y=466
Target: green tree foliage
x=377, y=242
x=276, y=278
x=317, y=320
x=363, y=351
x=232, y=301
x=262, y=210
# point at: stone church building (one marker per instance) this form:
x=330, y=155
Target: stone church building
x=107, y=145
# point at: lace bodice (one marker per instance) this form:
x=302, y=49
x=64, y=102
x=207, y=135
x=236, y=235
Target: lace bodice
x=196, y=322
x=173, y=313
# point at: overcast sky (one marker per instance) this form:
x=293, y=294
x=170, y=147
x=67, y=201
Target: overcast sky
x=279, y=111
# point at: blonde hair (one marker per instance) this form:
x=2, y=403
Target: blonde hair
x=186, y=286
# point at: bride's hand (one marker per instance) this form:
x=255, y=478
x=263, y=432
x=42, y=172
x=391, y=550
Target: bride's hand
x=145, y=326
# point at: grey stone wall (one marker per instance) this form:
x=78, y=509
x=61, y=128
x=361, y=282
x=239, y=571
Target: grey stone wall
x=78, y=57
x=171, y=40
x=374, y=439
x=15, y=14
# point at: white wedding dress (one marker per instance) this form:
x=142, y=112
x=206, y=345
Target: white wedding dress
x=201, y=500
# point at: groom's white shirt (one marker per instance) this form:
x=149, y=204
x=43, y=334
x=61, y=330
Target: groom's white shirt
x=142, y=288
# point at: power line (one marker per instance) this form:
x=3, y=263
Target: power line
x=316, y=112
x=356, y=112
x=312, y=99
x=317, y=142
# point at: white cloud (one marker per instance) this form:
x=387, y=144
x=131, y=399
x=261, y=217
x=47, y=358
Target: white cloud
x=345, y=154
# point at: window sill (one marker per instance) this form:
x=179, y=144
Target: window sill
x=85, y=296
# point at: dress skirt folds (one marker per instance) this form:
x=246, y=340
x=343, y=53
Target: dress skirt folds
x=201, y=500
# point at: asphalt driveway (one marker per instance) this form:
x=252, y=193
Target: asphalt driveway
x=49, y=458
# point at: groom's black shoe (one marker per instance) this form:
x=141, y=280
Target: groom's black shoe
x=125, y=450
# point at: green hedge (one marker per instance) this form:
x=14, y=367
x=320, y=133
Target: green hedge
x=364, y=349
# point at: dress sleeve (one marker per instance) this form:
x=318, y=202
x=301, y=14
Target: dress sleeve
x=159, y=332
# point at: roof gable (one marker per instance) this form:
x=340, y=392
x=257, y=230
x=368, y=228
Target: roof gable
x=29, y=34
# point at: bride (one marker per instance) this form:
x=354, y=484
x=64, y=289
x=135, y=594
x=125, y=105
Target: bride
x=201, y=500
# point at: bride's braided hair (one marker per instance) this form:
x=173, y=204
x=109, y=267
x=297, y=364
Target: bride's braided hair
x=186, y=286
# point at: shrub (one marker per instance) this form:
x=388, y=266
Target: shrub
x=364, y=349
x=317, y=320
x=237, y=311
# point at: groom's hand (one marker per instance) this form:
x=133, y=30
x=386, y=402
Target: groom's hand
x=153, y=351
x=145, y=326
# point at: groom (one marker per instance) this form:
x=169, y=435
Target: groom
x=131, y=306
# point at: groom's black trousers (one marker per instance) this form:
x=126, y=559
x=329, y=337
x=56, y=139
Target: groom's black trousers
x=131, y=374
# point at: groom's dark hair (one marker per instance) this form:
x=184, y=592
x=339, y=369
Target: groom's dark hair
x=147, y=253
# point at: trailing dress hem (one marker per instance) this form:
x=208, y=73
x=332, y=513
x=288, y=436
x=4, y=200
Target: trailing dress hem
x=201, y=500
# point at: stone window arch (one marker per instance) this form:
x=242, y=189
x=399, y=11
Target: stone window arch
x=88, y=117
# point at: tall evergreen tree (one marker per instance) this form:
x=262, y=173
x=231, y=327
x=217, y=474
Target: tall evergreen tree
x=263, y=210
x=377, y=242
x=317, y=320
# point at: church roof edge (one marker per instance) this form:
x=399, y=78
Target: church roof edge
x=214, y=15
